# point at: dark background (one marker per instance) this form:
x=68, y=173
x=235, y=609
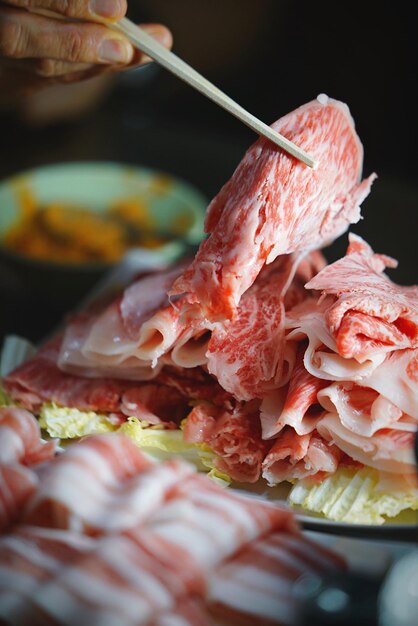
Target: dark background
x=271, y=56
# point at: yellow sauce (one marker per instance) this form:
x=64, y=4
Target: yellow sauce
x=58, y=232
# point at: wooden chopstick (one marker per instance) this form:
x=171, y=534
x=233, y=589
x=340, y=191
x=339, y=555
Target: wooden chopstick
x=140, y=39
x=171, y=62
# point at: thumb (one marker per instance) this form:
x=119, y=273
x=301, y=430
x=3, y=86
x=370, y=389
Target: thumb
x=75, y=9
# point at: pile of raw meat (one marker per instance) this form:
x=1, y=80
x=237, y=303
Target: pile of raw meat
x=101, y=535
x=284, y=366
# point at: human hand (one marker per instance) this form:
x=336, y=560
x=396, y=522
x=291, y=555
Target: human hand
x=38, y=50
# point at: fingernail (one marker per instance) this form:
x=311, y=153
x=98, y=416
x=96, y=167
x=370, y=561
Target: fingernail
x=161, y=34
x=106, y=8
x=116, y=51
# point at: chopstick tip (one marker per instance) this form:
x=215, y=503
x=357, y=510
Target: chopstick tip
x=307, y=160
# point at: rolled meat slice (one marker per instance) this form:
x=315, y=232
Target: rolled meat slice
x=246, y=354
x=39, y=380
x=275, y=205
x=300, y=407
x=20, y=438
x=234, y=435
x=368, y=314
x=103, y=484
x=256, y=586
x=21, y=450
x=126, y=338
x=211, y=524
x=293, y=457
x=363, y=410
x=388, y=450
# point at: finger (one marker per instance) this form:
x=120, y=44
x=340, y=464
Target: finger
x=46, y=68
x=24, y=35
x=50, y=68
x=78, y=9
x=77, y=76
x=63, y=71
x=158, y=32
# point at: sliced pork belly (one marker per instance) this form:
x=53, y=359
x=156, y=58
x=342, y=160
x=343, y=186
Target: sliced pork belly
x=141, y=574
x=363, y=410
x=121, y=583
x=103, y=484
x=39, y=380
x=129, y=542
x=59, y=577
x=126, y=339
x=397, y=380
x=389, y=450
x=130, y=579
x=298, y=407
x=274, y=205
x=294, y=456
x=30, y=557
x=20, y=438
x=256, y=585
x=321, y=358
x=17, y=484
x=65, y=578
x=20, y=447
x=210, y=523
x=369, y=313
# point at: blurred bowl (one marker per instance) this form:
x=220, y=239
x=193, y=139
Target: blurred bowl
x=173, y=207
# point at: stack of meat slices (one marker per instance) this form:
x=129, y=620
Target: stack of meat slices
x=285, y=367
x=101, y=535
x=354, y=392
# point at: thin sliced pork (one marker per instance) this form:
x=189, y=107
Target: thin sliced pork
x=321, y=358
x=114, y=580
x=122, y=488
x=246, y=354
x=369, y=314
x=20, y=438
x=397, y=380
x=274, y=205
x=17, y=484
x=31, y=557
x=234, y=435
x=154, y=572
x=21, y=449
x=294, y=456
x=126, y=339
x=300, y=407
x=249, y=355
x=363, y=410
x=257, y=585
x=389, y=450
x=39, y=380
x=211, y=523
